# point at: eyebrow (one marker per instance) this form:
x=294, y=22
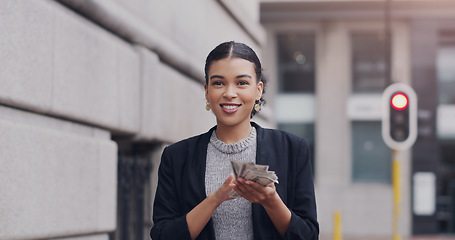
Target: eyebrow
x=216, y=76
x=244, y=75
x=239, y=76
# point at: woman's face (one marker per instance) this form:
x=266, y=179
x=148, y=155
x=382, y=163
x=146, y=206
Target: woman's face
x=232, y=90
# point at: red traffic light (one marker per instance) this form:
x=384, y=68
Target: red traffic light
x=399, y=101
x=399, y=119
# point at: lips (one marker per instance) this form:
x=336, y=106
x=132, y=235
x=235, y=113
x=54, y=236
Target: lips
x=230, y=108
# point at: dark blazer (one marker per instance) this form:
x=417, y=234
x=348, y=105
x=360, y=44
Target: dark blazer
x=181, y=186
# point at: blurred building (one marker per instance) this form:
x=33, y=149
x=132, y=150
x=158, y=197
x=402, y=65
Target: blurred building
x=331, y=59
x=90, y=92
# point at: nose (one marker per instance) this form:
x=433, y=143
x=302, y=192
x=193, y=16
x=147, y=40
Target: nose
x=230, y=92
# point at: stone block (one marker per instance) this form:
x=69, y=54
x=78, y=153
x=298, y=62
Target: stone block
x=184, y=113
x=85, y=86
x=96, y=75
x=26, y=54
x=128, y=77
x=56, y=183
x=173, y=105
x=150, y=92
x=55, y=61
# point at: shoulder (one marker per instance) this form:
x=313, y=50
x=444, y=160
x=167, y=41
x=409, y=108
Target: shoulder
x=190, y=144
x=185, y=143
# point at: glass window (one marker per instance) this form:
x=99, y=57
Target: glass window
x=296, y=66
x=368, y=64
x=371, y=157
x=445, y=68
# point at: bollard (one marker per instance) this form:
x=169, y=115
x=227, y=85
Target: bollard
x=337, y=234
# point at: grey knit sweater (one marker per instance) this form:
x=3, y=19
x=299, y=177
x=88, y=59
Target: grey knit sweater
x=232, y=220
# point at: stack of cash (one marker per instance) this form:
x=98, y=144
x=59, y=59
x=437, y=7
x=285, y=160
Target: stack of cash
x=253, y=172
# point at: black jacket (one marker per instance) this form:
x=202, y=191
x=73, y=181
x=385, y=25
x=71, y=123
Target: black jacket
x=181, y=186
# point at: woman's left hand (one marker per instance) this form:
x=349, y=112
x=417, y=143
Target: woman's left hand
x=255, y=192
x=269, y=199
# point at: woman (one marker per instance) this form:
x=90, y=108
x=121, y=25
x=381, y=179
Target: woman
x=192, y=198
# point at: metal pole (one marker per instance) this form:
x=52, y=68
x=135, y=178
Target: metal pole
x=396, y=170
x=387, y=43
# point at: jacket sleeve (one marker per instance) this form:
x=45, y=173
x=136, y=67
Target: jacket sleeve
x=169, y=221
x=302, y=202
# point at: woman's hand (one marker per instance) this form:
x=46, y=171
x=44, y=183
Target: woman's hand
x=255, y=192
x=222, y=194
x=269, y=199
x=199, y=216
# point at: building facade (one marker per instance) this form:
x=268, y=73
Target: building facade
x=90, y=93
x=331, y=60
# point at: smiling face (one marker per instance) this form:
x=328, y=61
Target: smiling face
x=232, y=90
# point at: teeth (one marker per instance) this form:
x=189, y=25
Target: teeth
x=230, y=107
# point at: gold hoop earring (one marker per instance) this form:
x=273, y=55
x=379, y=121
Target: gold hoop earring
x=207, y=106
x=257, y=107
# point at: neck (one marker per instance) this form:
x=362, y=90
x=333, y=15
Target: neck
x=233, y=134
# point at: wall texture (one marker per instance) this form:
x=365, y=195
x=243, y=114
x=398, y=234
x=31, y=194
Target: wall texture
x=77, y=74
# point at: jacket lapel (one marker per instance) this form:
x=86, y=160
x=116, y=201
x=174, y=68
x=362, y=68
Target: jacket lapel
x=198, y=164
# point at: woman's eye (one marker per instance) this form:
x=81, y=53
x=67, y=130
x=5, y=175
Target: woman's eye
x=217, y=83
x=243, y=83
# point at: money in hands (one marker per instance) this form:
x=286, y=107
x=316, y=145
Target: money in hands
x=253, y=172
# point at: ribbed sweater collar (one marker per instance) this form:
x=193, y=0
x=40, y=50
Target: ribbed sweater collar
x=235, y=147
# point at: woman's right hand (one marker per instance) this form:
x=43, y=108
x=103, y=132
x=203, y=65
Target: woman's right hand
x=198, y=217
x=222, y=194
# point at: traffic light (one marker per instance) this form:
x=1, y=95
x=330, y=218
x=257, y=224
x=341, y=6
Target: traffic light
x=399, y=116
x=399, y=119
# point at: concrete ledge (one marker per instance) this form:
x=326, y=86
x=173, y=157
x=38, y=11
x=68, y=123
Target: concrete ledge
x=55, y=183
x=42, y=121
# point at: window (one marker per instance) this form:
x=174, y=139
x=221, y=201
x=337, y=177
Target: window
x=296, y=85
x=445, y=70
x=296, y=66
x=368, y=62
x=371, y=157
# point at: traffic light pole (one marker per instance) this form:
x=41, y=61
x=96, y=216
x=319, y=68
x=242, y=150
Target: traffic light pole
x=396, y=182
x=399, y=132
x=388, y=44
x=396, y=168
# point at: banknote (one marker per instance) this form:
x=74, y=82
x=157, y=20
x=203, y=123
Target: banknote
x=253, y=172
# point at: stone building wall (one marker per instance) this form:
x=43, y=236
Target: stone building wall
x=82, y=80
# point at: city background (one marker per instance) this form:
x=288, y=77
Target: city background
x=91, y=91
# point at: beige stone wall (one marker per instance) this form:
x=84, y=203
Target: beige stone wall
x=74, y=75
